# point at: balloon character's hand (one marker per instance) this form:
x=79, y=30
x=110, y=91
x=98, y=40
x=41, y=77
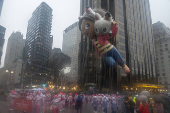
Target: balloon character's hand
x=114, y=23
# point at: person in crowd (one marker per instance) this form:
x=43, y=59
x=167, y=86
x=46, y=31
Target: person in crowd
x=38, y=102
x=131, y=104
x=10, y=100
x=126, y=104
x=137, y=103
x=79, y=104
x=29, y=96
x=151, y=106
x=66, y=102
x=55, y=104
x=70, y=99
x=122, y=107
x=95, y=104
x=144, y=107
x=100, y=100
x=73, y=100
x=166, y=104
x=159, y=107
x=48, y=97
x=104, y=104
x=113, y=104
x=86, y=98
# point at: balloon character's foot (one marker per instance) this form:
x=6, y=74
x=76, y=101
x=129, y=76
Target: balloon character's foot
x=126, y=69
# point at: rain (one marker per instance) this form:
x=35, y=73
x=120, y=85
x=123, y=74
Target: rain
x=84, y=56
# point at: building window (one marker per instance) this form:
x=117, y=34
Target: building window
x=120, y=7
x=122, y=47
x=162, y=58
x=121, y=19
x=121, y=33
x=160, y=50
x=166, y=49
x=120, y=12
x=166, y=45
x=121, y=26
x=122, y=40
x=123, y=54
x=163, y=74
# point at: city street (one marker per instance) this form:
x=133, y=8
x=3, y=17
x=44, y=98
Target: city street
x=85, y=109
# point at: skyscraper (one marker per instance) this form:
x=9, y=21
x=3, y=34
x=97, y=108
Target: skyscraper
x=2, y=35
x=70, y=47
x=1, y=4
x=162, y=39
x=134, y=41
x=38, y=44
x=13, y=58
x=160, y=30
x=14, y=48
x=163, y=61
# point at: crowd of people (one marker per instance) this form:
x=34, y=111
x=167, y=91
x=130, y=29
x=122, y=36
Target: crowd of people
x=128, y=103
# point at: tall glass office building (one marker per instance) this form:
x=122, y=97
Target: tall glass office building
x=134, y=41
x=38, y=44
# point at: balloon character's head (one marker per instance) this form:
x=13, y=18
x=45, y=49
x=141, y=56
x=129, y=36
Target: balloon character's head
x=86, y=22
x=103, y=25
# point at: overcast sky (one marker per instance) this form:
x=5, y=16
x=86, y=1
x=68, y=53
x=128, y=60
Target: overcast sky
x=16, y=13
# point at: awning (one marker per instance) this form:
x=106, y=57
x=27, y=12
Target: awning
x=141, y=85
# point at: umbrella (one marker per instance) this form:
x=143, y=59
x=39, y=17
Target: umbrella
x=156, y=98
x=165, y=97
x=142, y=97
x=146, y=93
x=37, y=89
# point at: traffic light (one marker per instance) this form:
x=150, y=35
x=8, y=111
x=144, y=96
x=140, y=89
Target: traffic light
x=19, y=75
x=43, y=85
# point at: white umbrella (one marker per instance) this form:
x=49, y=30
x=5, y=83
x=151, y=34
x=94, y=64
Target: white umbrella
x=37, y=89
x=146, y=93
x=142, y=97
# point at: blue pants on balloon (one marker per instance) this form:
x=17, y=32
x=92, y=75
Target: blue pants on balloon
x=112, y=57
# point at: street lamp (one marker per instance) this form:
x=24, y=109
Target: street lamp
x=11, y=72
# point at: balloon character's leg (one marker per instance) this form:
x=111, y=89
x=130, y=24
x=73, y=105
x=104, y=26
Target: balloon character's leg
x=110, y=61
x=112, y=57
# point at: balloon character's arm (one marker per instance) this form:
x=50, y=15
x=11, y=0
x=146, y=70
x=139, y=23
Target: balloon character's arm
x=114, y=29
